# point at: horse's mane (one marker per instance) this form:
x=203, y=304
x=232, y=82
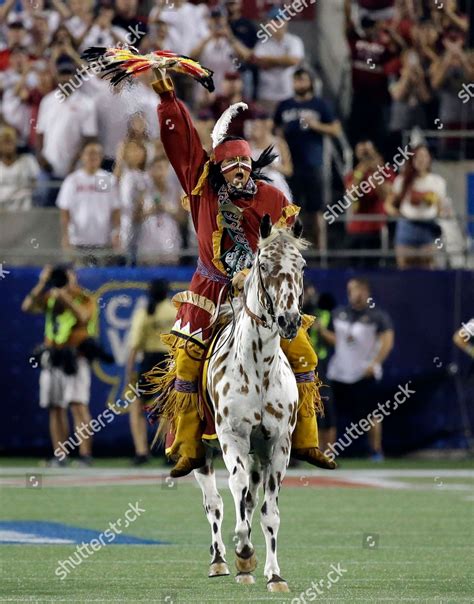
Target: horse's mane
x=286, y=235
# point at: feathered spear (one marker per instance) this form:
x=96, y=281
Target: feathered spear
x=118, y=64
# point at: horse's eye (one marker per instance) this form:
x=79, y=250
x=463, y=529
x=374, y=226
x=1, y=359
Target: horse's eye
x=263, y=268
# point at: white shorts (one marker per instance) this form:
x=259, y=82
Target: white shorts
x=59, y=390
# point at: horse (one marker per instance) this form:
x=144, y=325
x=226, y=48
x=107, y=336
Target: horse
x=254, y=396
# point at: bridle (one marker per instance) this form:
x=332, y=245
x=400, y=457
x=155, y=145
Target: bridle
x=267, y=306
x=268, y=303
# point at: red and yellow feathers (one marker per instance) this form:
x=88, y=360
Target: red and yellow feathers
x=118, y=64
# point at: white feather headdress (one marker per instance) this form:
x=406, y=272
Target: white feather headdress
x=219, y=132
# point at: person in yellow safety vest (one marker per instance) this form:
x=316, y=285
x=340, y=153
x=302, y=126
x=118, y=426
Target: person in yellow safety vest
x=321, y=306
x=70, y=320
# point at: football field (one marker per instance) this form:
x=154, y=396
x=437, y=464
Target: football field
x=392, y=532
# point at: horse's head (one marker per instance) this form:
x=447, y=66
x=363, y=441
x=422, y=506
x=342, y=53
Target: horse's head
x=279, y=269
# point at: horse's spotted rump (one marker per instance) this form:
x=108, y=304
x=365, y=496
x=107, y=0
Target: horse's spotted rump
x=225, y=411
x=272, y=411
x=226, y=389
x=244, y=389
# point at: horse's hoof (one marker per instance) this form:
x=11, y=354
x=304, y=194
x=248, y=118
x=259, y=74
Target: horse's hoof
x=245, y=578
x=277, y=584
x=246, y=561
x=218, y=569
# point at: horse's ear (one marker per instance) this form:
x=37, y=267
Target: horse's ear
x=298, y=228
x=265, y=226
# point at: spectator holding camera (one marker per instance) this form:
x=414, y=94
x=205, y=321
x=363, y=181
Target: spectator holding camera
x=215, y=50
x=65, y=376
x=450, y=73
x=374, y=51
x=410, y=94
x=366, y=234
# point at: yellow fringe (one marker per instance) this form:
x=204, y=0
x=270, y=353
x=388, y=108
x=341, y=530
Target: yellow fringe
x=169, y=404
x=310, y=401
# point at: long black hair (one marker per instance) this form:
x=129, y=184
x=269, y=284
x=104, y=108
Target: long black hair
x=157, y=292
x=267, y=157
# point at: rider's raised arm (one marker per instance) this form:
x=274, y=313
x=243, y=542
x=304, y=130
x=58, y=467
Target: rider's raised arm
x=179, y=136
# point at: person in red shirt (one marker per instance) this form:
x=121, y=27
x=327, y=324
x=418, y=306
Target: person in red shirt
x=375, y=56
x=370, y=169
x=15, y=37
x=227, y=196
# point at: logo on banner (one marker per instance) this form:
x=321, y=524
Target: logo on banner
x=117, y=302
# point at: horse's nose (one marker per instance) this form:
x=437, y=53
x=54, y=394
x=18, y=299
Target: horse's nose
x=289, y=323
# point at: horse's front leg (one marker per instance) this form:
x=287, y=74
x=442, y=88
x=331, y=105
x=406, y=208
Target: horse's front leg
x=235, y=450
x=273, y=474
x=214, y=508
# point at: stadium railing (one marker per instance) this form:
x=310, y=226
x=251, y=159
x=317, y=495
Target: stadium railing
x=33, y=238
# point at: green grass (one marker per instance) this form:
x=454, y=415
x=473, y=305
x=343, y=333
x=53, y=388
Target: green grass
x=346, y=464
x=424, y=552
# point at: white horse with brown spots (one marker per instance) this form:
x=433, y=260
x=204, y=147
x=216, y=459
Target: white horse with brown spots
x=255, y=398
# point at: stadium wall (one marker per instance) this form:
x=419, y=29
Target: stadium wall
x=426, y=309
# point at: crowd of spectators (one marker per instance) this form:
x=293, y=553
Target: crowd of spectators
x=68, y=139
x=410, y=60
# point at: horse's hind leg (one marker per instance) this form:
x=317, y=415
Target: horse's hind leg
x=214, y=508
x=273, y=474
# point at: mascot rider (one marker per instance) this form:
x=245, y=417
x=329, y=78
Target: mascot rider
x=227, y=196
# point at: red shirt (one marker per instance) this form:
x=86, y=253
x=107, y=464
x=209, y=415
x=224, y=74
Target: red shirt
x=369, y=203
x=372, y=62
x=188, y=158
x=4, y=59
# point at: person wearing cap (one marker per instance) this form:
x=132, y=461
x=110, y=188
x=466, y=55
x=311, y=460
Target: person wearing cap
x=304, y=120
x=227, y=195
